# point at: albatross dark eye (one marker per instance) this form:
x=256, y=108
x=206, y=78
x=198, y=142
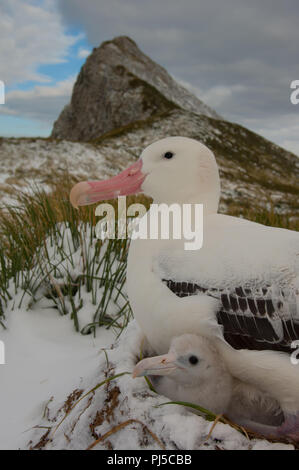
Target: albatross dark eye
x=193, y=360
x=168, y=155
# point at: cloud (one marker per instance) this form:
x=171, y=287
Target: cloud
x=283, y=130
x=293, y=144
x=42, y=103
x=32, y=34
x=215, y=96
x=83, y=53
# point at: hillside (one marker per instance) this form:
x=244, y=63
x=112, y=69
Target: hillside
x=255, y=173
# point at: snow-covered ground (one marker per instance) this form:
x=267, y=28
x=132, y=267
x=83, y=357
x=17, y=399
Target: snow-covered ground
x=41, y=156
x=44, y=358
x=49, y=366
x=27, y=162
x=42, y=162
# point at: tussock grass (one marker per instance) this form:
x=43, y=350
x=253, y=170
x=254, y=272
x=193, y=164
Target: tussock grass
x=49, y=250
x=266, y=217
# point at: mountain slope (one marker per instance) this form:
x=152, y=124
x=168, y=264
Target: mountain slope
x=256, y=175
x=118, y=85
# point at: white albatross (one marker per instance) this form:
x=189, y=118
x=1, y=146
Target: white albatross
x=240, y=289
x=193, y=371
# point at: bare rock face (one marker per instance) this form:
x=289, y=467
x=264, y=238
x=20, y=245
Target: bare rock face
x=117, y=86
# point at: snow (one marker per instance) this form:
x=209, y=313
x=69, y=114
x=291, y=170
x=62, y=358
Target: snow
x=24, y=162
x=28, y=163
x=46, y=361
x=25, y=155
x=43, y=357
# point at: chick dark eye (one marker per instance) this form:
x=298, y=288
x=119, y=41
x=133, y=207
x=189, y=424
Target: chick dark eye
x=193, y=360
x=168, y=155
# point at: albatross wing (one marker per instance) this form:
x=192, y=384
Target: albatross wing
x=253, y=271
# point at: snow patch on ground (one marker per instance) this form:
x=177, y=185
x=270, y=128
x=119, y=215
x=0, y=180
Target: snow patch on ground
x=29, y=163
x=45, y=357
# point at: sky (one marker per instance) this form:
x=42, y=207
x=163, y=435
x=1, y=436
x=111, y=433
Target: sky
x=240, y=57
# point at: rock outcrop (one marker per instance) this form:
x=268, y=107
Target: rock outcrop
x=119, y=85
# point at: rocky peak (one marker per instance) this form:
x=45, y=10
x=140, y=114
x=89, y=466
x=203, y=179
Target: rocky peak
x=117, y=86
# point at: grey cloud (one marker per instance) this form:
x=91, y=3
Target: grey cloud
x=31, y=35
x=42, y=103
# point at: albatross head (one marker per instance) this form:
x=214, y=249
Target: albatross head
x=191, y=360
x=174, y=169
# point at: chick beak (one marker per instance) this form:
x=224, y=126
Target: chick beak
x=158, y=365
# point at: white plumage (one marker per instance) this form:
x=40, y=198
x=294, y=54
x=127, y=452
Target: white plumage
x=193, y=371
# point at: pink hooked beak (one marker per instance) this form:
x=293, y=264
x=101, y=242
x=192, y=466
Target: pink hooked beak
x=127, y=182
x=158, y=365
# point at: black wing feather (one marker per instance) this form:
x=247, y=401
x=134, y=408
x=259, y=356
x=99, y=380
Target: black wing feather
x=251, y=318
